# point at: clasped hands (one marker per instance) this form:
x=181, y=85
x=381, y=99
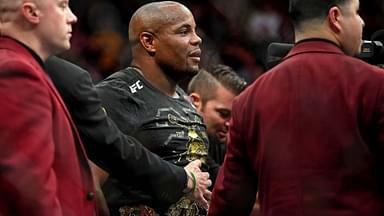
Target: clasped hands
x=198, y=183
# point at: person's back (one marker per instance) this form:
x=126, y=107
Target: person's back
x=308, y=133
x=318, y=153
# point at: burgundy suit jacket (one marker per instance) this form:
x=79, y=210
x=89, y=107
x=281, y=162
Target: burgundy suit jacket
x=309, y=136
x=43, y=167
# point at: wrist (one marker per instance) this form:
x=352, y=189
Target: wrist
x=191, y=183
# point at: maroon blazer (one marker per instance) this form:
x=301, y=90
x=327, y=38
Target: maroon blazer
x=43, y=167
x=309, y=135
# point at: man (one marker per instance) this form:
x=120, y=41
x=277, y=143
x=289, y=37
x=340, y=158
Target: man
x=212, y=93
x=43, y=168
x=309, y=133
x=122, y=156
x=145, y=101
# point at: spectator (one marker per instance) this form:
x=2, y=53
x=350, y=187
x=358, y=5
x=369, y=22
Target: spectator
x=43, y=168
x=212, y=92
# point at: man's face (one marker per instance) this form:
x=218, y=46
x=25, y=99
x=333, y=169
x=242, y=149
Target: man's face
x=217, y=113
x=178, y=45
x=352, y=28
x=55, y=27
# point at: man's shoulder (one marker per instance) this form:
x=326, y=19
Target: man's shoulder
x=124, y=76
x=364, y=69
x=127, y=82
x=15, y=57
x=61, y=69
x=13, y=62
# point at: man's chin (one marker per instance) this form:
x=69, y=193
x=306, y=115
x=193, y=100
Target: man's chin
x=221, y=140
x=61, y=48
x=193, y=70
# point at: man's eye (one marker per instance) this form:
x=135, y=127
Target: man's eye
x=224, y=114
x=183, y=32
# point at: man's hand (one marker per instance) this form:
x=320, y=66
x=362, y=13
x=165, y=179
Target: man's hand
x=198, y=183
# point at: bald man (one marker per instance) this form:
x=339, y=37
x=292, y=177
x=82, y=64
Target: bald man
x=43, y=168
x=146, y=102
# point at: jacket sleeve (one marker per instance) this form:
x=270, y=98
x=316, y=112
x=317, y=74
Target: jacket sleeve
x=235, y=188
x=27, y=178
x=121, y=155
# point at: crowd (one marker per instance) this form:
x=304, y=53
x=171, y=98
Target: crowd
x=179, y=117
x=235, y=34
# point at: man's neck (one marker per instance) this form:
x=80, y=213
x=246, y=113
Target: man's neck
x=26, y=38
x=300, y=36
x=157, y=77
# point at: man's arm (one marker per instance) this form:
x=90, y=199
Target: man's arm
x=27, y=179
x=121, y=155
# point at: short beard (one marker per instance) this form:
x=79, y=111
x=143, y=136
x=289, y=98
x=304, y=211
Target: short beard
x=178, y=75
x=191, y=72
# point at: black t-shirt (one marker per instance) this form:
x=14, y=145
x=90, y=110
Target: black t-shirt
x=168, y=126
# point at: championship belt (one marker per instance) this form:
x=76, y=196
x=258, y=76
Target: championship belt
x=186, y=207
x=141, y=210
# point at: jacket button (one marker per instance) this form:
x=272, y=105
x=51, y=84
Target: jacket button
x=90, y=196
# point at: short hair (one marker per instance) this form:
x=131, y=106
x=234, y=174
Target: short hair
x=8, y=8
x=305, y=10
x=151, y=16
x=207, y=81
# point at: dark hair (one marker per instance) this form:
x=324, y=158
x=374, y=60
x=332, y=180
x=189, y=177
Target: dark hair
x=206, y=81
x=304, y=10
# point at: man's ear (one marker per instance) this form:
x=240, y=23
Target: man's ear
x=334, y=18
x=147, y=41
x=196, y=100
x=30, y=12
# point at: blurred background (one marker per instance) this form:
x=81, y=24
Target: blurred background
x=235, y=33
